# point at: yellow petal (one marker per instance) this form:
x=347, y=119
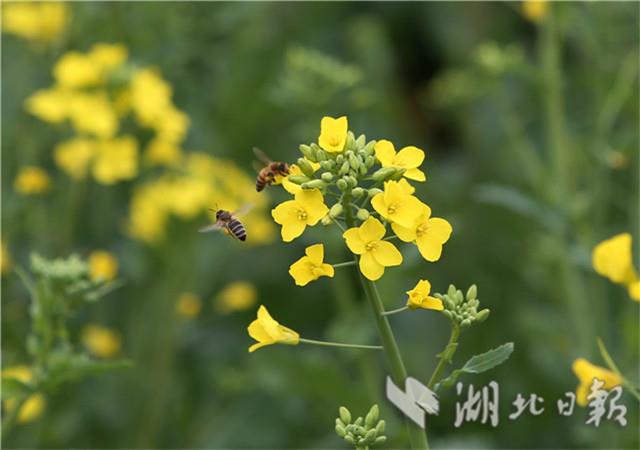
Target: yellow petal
x=430, y=249
x=409, y=158
x=405, y=234
x=415, y=174
x=432, y=303
x=387, y=254
x=370, y=268
x=301, y=271
x=406, y=186
x=634, y=290
x=385, y=153
x=315, y=253
x=313, y=203
x=371, y=230
x=326, y=270
x=353, y=240
x=290, y=231
x=612, y=258
x=333, y=133
x=586, y=372
x=439, y=229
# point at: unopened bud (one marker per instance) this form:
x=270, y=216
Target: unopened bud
x=340, y=159
x=345, y=414
x=362, y=214
x=342, y=184
x=328, y=164
x=447, y=313
x=369, y=148
x=383, y=173
x=372, y=416
x=335, y=211
x=374, y=191
x=298, y=179
x=307, y=152
x=351, y=141
x=361, y=141
x=370, y=161
x=380, y=427
x=381, y=440
x=358, y=192
x=465, y=323
x=472, y=292
x=344, y=169
x=353, y=161
x=326, y=220
x=314, y=184
x=341, y=431
x=352, y=181
x=370, y=437
x=482, y=315
x=305, y=167
x=327, y=177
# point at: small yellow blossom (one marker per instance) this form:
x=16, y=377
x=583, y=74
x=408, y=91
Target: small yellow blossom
x=107, y=57
x=94, y=114
x=5, y=259
x=419, y=297
x=267, y=331
x=40, y=22
x=396, y=205
x=150, y=96
x=535, y=10
x=172, y=125
x=76, y=70
x=428, y=233
x=188, y=305
x=32, y=180
x=101, y=341
x=289, y=186
x=161, y=152
x=333, y=134
x=375, y=253
x=103, y=265
x=586, y=372
x=634, y=290
x=612, y=259
x=34, y=405
x=294, y=215
x=236, y=296
x=311, y=267
x=74, y=157
x=50, y=105
x=409, y=158
x=116, y=160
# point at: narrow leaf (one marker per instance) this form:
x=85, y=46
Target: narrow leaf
x=485, y=361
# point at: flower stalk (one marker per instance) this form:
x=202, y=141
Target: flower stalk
x=445, y=356
x=338, y=344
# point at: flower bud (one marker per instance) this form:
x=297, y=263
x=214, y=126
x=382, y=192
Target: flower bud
x=451, y=292
x=298, y=179
x=314, y=184
x=358, y=192
x=383, y=173
x=342, y=184
x=344, y=169
x=363, y=170
x=328, y=164
x=350, y=439
x=339, y=159
x=345, y=414
x=351, y=141
x=305, y=167
x=370, y=436
x=363, y=214
x=447, y=313
x=326, y=220
x=380, y=427
x=341, y=431
x=370, y=161
x=327, y=177
x=472, y=292
x=353, y=161
x=381, y=440
x=374, y=191
x=372, y=416
x=353, y=182
x=458, y=297
x=358, y=422
x=369, y=147
x=361, y=141
x=465, y=323
x=307, y=152
x=335, y=211
x=482, y=315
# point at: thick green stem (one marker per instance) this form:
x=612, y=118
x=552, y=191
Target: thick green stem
x=417, y=435
x=339, y=344
x=446, y=356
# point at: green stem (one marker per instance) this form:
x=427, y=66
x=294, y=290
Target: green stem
x=395, y=311
x=338, y=344
x=417, y=435
x=390, y=238
x=607, y=358
x=446, y=356
x=344, y=264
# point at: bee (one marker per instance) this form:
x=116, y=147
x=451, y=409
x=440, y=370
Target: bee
x=268, y=173
x=228, y=222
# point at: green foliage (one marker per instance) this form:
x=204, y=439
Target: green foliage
x=480, y=363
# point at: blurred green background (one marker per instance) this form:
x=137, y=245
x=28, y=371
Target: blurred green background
x=530, y=126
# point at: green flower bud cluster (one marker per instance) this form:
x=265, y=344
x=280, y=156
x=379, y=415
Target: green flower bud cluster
x=364, y=432
x=461, y=309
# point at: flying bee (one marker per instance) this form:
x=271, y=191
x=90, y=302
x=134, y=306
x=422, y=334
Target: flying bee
x=268, y=173
x=227, y=221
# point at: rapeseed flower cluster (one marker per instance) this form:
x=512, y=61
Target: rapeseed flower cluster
x=38, y=22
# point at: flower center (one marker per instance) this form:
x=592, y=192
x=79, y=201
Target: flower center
x=371, y=246
x=316, y=271
x=302, y=215
x=334, y=140
x=391, y=209
x=422, y=229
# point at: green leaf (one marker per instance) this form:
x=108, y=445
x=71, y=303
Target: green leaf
x=12, y=387
x=480, y=363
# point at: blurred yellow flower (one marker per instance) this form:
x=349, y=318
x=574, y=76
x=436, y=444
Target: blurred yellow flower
x=188, y=305
x=107, y=57
x=162, y=152
x=32, y=180
x=612, y=258
x=50, y=105
x=586, y=372
x=5, y=259
x=103, y=265
x=101, y=341
x=172, y=125
x=333, y=133
x=311, y=267
x=236, y=296
x=634, y=290
x=428, y=233
x=34, y=405
x=147, y=217
x=409, y=158
x=535, y=10
x=262, y=229
x=419, y=297
x=74, y=156
x=40, y=22
x=116, y=160
x=375, y=253
x=267, y=331
x=294, y=215
x=396, y=205
x=94, y=114
x=76, y=70
x=150, y=96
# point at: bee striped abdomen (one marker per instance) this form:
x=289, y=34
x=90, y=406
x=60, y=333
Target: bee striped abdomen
x=237, y=229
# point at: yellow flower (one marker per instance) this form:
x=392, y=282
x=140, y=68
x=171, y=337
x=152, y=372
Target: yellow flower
x=333, y=133
x=612, y=259
x=236, y=296
x=162, y=152
x=107, y=57
x=150, y=96
x=76, y=70
x=74, y=157
x=634, y=290
x=103, y=265
x=535, y=10
x=586, y=372
x=289, y=186
x=148, y=217
x=428, y=233
x=375, y=254
x=188, y=305
x=419, y=297
x=294, y=215
x=396, y=205
x=101, y=341
x=311, y=267
x=172, y=125
x=39, y=22
x=409, y=158
x=5, y=259
x=116, y=160
x=267, y=331
x=34, y=405
x=32, y=180
x=94, y=114
x=50, y=105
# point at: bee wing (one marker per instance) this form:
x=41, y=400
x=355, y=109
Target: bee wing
x=244, y=209
x=212, y=227
x=262, y=156
x=257, y=166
